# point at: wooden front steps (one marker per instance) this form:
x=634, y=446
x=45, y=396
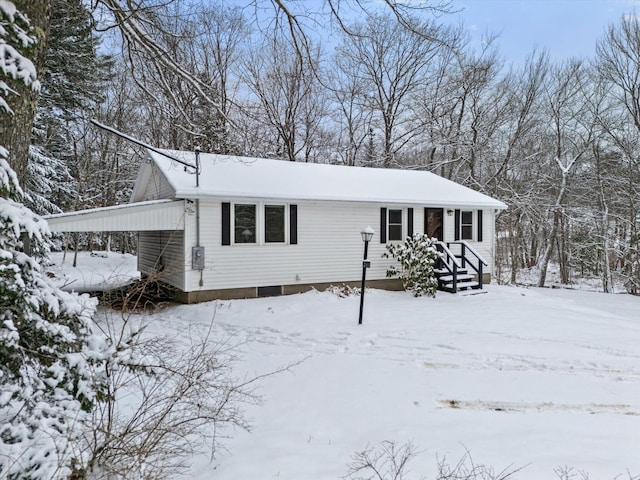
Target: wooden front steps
x=447, y=282
x=451, y=269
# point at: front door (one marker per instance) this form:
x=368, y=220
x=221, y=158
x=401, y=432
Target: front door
x=433, y=222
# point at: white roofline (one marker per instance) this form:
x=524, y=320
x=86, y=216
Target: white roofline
x=228, y=176
x=252, y=195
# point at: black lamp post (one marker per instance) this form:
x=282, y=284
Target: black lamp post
x=367, y=235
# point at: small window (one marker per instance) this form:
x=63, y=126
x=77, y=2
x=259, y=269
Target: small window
x=395, y=224
x=274, y=223
x=466, y=225
x=244, y=223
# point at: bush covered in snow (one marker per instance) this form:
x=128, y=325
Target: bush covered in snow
x=417, y=257
x=47, y=350
x=47, y=347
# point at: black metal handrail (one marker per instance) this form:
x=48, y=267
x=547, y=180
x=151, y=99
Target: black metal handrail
x=477, y=265
x=446, y=257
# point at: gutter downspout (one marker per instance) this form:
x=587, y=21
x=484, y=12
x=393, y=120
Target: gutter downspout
x=197, y=151
x=201, y=265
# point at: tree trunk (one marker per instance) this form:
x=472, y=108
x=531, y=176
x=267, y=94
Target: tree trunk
x=15, y=130
x=607, y=277
x=557, y=214
x=564, y=253
x=514, y=241
x=550, y=244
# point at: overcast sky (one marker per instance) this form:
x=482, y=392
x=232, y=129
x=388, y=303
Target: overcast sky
x=565, y=27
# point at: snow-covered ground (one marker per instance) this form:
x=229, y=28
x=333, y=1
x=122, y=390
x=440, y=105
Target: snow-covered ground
x=533, y=378
x=94, y=271
x=518, y=377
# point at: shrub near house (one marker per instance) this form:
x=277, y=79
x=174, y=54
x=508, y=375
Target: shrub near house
x=417, y=257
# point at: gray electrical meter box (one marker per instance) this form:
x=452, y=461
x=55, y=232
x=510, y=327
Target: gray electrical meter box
x=197, y=258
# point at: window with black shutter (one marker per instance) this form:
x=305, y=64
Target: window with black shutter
x=395, y=224
x=258, y=224
x=466, y=225
x=391, y=228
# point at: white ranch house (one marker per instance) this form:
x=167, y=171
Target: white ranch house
x=247, y=227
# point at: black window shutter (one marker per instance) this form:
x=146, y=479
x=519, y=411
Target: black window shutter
x=457, y=225
x=410, y=222
x=226, y=223
x=383, y=225
x=479, y=225
x=426, y=220
x=293, y=224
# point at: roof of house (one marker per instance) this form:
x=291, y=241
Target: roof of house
x=225, y=176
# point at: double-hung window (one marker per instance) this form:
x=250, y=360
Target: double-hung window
x=274, y=222
x=466, y=225
x=244, y=221
x=395, y=224
x=259, y=224
x=391, y=227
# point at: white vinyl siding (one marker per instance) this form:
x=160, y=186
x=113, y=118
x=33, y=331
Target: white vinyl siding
x=329, y=247
x=162, y=253
x=157, y=186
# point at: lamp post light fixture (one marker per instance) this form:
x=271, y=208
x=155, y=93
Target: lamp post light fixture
x=367, y=235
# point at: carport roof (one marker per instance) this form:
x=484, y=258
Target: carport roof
x=130, y=217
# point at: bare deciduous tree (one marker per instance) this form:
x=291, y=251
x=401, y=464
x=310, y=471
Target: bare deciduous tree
x=351, y=112
x=571, y=134
x=286, y=89
x=390, y=63
x=618, y=63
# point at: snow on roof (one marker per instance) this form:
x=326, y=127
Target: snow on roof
x=229, y=176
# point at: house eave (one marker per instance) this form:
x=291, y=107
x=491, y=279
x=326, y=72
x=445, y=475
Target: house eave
x=193, y=195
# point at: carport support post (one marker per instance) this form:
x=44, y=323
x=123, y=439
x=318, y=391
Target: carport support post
x=367, y=235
